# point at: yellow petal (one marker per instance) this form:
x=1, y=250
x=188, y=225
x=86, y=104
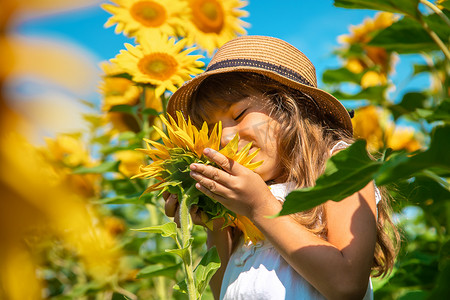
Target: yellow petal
x=186, y=139
x=164, y=137
x=230, y=149
x=249, y=230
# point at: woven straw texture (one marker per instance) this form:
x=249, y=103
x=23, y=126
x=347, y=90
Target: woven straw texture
x=274, y=58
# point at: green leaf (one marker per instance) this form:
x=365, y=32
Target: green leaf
x=445, y=4
x=407, y=7
x=373, y=93
x=124, y=108
x=150, y=111
x=122, y=187
x=340, y=75
x=82, y=289
x=206, y=268
x=183, y=252
x=404, y=166
x=408, y=36
x=165, y=258
x=109, y=166
x=441, y=113
x=422, y=68
x=127, y=135
x=410, y=102
x=166, y=230
x=159, y=270
x=141, y=199
x=442, y=288
x=347, y=172
x=94, y=119
x=424, y=189
x=414, y=295
x=181, y=286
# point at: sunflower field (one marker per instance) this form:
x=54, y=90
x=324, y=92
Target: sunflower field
x=82, y=213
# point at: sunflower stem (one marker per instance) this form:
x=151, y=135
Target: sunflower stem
x=164, y=103
x=186, y=227
x=436, y=10
x=435, y=38
x=145, y=123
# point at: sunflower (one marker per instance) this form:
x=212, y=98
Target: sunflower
x=160, y=62
x=368, y=123
x=117, y=90
x=183, y=145
x=376, y=61
x=364, y=32
x=145, y=17
x=130, y=161
x=212, y=22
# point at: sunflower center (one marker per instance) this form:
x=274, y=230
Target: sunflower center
x=149, y=13
x=160, y=66
x=207, y=15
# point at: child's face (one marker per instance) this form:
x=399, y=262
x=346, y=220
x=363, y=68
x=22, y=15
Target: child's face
x=251, y=120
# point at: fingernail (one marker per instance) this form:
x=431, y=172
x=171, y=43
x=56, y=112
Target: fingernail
x=173, y=196
x=207, y=151
x=193, y=173
x=193, y=167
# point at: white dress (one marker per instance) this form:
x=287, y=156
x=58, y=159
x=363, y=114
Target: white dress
x=257, y=271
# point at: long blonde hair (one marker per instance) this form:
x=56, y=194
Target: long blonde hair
x=304, y=139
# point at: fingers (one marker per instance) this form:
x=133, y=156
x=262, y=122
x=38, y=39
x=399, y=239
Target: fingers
x=213, y=190
x=201, y=171
x=212, y=181
x=171, y=204
x=196, y=215
x=172, y=209
x=220, y=159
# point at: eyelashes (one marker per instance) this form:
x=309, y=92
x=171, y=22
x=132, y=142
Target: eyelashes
x=240, y=115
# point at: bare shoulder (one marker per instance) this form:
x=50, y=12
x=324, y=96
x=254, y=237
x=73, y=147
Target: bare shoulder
x=352, y=221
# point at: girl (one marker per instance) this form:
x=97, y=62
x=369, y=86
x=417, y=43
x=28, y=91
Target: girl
x=265, y=89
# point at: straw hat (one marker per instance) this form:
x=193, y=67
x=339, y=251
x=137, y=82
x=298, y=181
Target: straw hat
x=273, y=58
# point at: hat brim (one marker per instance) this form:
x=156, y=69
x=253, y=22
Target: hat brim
x=329, y=106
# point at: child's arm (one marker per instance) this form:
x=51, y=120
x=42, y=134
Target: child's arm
x=221, y=238
x=340, y=267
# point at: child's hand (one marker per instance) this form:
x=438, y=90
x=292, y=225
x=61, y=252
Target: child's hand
x=236, y=187
x=172, y=209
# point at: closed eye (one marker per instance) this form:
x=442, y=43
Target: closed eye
x=240, y=115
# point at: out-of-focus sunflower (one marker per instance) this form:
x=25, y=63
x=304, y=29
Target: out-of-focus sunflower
x=44, y=207
x=130, y=161
x=439, y=2
x=363, y=33
x=367, y=125
x=183, y=146
x=402, y=138
x=161, y=62
x=64, y=153
x=376, y=59
x=145, y=18
x=372, y=78
x=122, y=122
x=212, y=22
x=117, y=90
x=372, y=124
x=67, y=149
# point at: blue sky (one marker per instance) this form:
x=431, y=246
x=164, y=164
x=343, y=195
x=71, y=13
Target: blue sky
x=312, y=26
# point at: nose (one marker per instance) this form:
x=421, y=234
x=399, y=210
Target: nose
x=228, y=133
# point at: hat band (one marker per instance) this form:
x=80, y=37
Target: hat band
x=241, y=62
